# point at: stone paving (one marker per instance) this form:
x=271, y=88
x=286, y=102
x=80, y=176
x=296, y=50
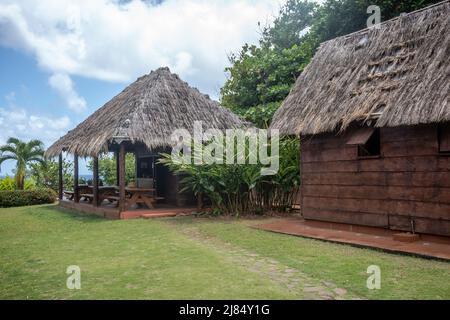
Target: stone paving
x=291, y=279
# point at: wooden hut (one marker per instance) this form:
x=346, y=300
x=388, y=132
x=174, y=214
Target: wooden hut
x=373, y=113
x=140, y=120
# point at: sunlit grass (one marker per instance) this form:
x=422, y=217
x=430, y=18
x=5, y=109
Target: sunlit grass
x=161, y=259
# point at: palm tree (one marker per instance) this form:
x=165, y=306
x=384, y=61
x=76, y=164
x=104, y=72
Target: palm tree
x=23, y=153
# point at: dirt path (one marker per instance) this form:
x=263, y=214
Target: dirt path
x=290, y=279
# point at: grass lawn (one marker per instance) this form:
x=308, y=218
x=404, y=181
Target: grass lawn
x=192, y=258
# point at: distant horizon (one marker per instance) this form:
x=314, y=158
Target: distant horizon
x=80, y=175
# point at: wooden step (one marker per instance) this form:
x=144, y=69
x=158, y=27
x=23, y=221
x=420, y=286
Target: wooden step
x=158, y=215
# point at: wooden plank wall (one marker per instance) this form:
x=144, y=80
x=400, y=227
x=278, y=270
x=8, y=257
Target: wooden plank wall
x=409, y=182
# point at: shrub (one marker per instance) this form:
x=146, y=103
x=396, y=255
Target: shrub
x=9, y=183
x=17, y=198
x=240, y=188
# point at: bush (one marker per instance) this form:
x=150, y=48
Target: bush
x=240, y=188
x=17, y=198
x=9, y=183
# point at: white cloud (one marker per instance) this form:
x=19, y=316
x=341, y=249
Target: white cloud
x=17, y=122
x=116, y=41
x=64, y=85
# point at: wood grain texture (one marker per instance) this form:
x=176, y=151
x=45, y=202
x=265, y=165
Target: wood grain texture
x=408, y=185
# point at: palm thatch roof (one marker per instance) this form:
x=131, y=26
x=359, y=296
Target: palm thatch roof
x=398, y=74
x=147, y=111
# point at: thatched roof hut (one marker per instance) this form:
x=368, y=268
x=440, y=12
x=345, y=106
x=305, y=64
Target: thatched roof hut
x=147, y=111
x=399, y=74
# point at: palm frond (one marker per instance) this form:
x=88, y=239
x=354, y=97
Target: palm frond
x=35, y=143
x=8, y=148
x=15, y=141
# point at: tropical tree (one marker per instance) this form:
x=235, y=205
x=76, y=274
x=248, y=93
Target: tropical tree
x=107, y=168
x=24, y=153
x=261, y=76
x=46, y=174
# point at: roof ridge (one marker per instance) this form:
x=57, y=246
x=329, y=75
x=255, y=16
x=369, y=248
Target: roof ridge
x=157, y=104
x=402, y=15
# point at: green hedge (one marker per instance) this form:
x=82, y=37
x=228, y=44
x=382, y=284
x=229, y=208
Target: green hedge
x=17, y=198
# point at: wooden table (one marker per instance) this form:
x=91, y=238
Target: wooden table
x=140, y=196
x=104, y=193
x=108, y=193
x=69, y=195
x=84, y=191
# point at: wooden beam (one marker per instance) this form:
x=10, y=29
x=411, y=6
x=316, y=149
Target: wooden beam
x=95, y=201
x=76, y=190
x=122, y=198
x=136, y=169
x=60, y=176
x=116, y=155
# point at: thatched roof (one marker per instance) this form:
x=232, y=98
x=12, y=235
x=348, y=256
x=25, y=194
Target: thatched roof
x=147, y=111
x=399, y=74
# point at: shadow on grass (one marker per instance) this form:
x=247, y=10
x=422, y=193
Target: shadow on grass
x=195, y=219
x=69, y=214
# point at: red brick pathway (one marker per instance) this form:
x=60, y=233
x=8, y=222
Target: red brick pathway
x=427, y=246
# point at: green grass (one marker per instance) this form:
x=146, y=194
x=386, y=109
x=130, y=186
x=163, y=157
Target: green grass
x=191, y=258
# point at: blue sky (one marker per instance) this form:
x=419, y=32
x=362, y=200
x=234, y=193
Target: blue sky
x=25, y=91
x=62, y=60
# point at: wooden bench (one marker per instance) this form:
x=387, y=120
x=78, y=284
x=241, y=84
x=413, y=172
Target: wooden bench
x=69, y=194
x=112, y=199
x=89, y=197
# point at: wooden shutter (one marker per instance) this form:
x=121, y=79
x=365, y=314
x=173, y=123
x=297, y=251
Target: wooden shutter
x=361, y=136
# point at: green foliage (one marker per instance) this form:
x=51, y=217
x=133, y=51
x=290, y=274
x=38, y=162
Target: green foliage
x=23, y=153
x=293, y=18
x=339, y=17
x=46, y=174
x=261, y=76
x=18, y=198
x=9, y=184
x=240, y=188
x=260, y=115
x=107, y=169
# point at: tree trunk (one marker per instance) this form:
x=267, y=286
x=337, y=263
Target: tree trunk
x=20, y=181
x=199, y=201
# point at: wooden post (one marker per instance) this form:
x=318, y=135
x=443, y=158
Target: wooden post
x=95, y=201
x=300, y=158
x=60, y=176
x=122, y=198
x=116, y=155
x=76, y=190
x=136, y=184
